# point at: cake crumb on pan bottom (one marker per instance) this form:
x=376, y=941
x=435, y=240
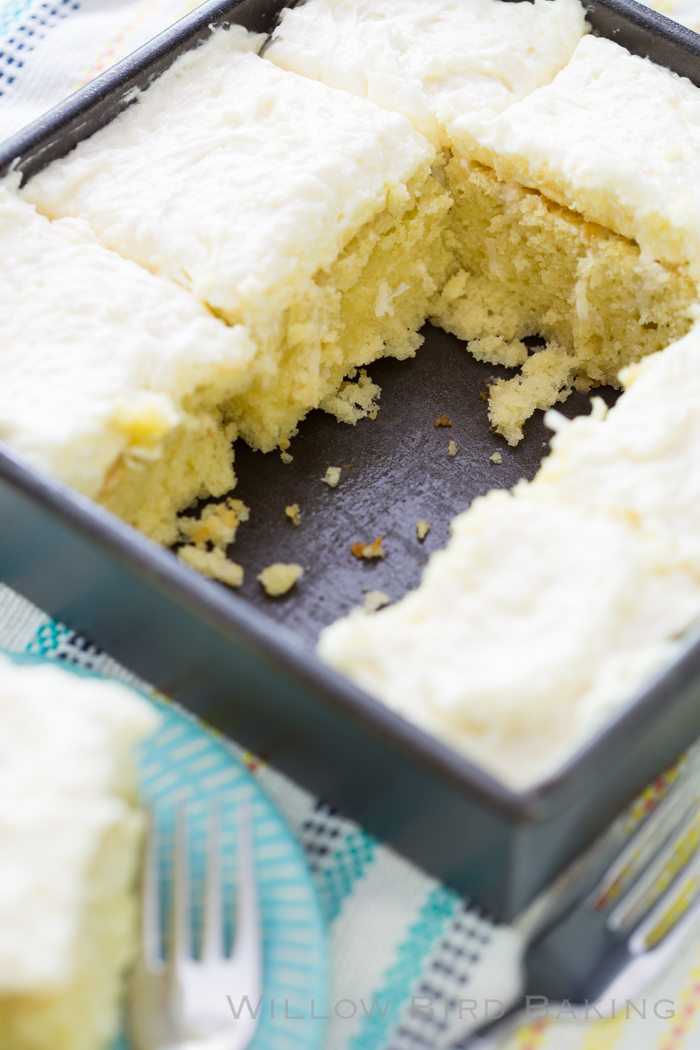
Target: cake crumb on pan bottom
x=212, y=563
x=279, y=578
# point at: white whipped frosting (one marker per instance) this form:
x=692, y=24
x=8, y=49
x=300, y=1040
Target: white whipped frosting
x=535, y=621
x=64, y=764
x=639, y=460
x=235, y=178
x=615, y=137
x=97, y=354
x=431, y=60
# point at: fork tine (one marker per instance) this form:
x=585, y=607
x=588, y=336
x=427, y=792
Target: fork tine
x=681, y=846
x=659, y=938
x=247, y=946
x=180, y=947
x=670, y=909
x=651, y=838
x=212, y=936
x=150, y=897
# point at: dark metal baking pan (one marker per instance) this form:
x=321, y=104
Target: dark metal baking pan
x=245, y=662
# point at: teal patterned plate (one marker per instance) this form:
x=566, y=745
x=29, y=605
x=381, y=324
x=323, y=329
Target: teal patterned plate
x=183, y=762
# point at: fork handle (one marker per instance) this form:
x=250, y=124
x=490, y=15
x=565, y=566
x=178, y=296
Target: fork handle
x=490, y=1034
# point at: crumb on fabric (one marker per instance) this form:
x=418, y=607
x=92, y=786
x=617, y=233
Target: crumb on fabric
x=279, y=578
x=422, y=528
x=212, y=563
x=443, y=421
x=375, y=600
x=452, y=448
x=496, y=457
x=369, y=550
x=293, y=513
x=285, y=457
x=332, y=477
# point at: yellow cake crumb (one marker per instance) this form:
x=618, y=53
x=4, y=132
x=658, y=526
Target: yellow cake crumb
x=452, y=448
x=279, y=578
x=422, y=528
x=332, y=477
x=545, y=378
x=293, y=513
x=217, y=524
x=285, y=457
x=375, y=600
x=495, y=350
x=369, y=550
x=212, y=563
x=443, y=421
x=353, y=401
x=496, y=457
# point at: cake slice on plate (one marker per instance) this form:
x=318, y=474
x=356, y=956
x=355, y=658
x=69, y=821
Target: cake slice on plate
x=69, y=841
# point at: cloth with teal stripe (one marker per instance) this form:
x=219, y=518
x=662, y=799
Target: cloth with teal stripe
x=408, y=956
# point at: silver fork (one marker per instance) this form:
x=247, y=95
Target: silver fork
x=179, y=1002
x=633, y=910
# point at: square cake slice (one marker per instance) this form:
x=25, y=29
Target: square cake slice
x=304, y=213
x=431, y=60
x=614, y=137
x=69, y=840
x=576, y=219
x=111, y=375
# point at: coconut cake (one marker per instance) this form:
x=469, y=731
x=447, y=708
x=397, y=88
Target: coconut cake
x=327, y=228
x=69, y=839
x=303, y=213
x=548, y=238
x=432, y=61
x=111, y=374
x=612, y=144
